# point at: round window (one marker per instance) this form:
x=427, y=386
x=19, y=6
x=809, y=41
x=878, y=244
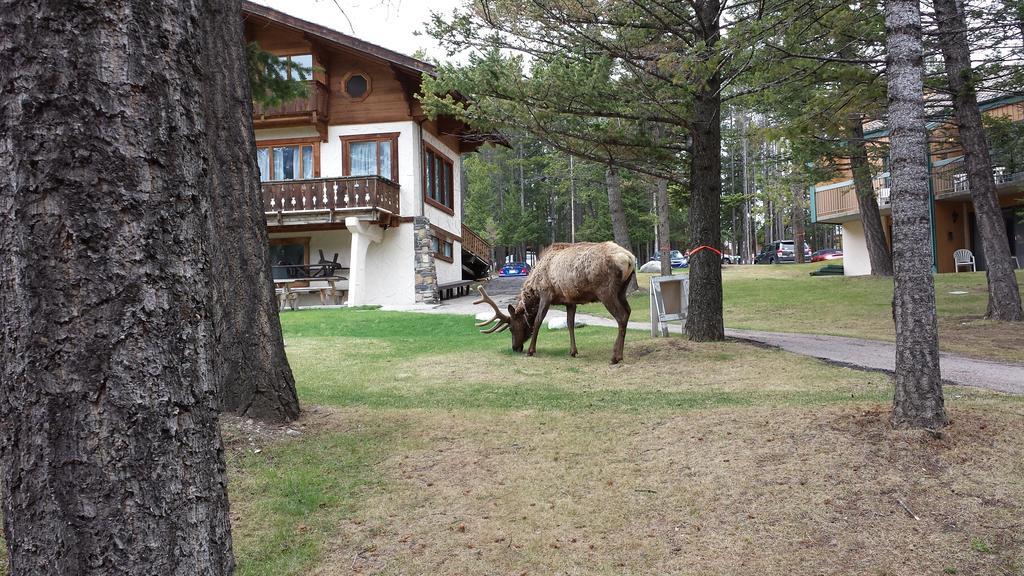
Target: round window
x=356, y=86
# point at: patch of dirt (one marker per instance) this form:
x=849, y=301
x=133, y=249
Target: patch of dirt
x=246, y=435
x=979, y=338
x=674, y=363
x=660, y=347
x=739, y=491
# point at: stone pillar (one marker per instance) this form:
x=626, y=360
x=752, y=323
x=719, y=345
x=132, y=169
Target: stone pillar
x=426, y=272
x=363, y=233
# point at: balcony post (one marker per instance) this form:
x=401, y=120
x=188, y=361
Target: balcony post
x=363, y=233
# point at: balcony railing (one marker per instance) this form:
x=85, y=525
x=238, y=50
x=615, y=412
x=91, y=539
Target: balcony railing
x=474, y=244
x=331, y=194
x=840, y=199
x=950, y=179
x=313, y=104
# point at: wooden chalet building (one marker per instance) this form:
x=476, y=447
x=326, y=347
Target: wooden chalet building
x=357, y=170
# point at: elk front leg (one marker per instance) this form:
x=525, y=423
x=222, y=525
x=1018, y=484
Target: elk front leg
x=542, y=311
x=570, y=312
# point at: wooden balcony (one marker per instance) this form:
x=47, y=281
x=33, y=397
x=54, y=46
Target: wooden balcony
x=309, y=110
x=475, y=245
x=330, y=200
x=838, y=202
x=949, y=181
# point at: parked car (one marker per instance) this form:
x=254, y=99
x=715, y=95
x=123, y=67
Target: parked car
x=779, y=252
x=826, y=254
x=730, y=259
x=678, y=259
x=515, y=269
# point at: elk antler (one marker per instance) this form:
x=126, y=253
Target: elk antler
x=499, y=316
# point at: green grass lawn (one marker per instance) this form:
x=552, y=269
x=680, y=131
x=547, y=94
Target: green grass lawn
x=784, y=298
x=428, y=448
x=434, y=449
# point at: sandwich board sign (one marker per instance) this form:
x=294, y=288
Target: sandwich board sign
x=670, y=298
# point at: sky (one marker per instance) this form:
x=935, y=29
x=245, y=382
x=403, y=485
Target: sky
x=388, y=23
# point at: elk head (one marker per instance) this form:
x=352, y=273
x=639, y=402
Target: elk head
x=514, y=320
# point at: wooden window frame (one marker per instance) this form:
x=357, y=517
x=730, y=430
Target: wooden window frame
x=390, y=137
x=344, y=87
x=280, y=142
x=284, y=241
x=444, y=237
x=450, y=192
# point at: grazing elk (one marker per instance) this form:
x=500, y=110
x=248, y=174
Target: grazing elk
x=568, y=274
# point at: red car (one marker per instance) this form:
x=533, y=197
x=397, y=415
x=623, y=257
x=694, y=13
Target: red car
x=826, y=254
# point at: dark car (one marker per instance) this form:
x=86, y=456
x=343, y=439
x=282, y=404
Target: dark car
x=515, y=269
x=677, y=258
x=826, y=254
x=780, y=252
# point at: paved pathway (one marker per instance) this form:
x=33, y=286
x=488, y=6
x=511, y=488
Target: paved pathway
x=853, y=352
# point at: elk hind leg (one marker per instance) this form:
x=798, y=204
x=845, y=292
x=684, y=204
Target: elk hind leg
x=619, y=308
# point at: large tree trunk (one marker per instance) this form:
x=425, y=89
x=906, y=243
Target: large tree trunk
x=1003, y=293
x=917, y=402
x=798, y=223
x=256, y=380
x=870, y=217
x=664, y=242
x=619, y=230
x=111, y=458
x=704, y=321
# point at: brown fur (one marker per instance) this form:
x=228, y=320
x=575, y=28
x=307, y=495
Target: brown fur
x=569, y=275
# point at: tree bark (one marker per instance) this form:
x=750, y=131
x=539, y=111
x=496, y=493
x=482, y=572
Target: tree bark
x=870, y=217
x=619, y=230
x=704, y=321
x=1003, y=293
x=111, y=459
x=917, y=402
x=256, y=380
x=664, y=241
x=798, y=223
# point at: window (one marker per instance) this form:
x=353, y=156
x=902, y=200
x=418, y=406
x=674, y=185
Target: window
x=371, y=155
x=442, y=244
x=356, y=86
x=286, y=161
x=288, y=257
x=438, y=180
x=290, y=72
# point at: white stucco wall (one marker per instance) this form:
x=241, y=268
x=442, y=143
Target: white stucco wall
x=855, y=250
x=390, y=271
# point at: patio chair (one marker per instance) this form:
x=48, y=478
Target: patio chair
x=964, y=257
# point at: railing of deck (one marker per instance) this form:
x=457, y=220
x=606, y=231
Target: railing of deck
x=840, y=199
x=473, y=243
x=315, y=101
x=951, y=179
x=347, y=193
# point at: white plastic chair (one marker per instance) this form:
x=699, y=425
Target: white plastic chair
x=964, y=257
